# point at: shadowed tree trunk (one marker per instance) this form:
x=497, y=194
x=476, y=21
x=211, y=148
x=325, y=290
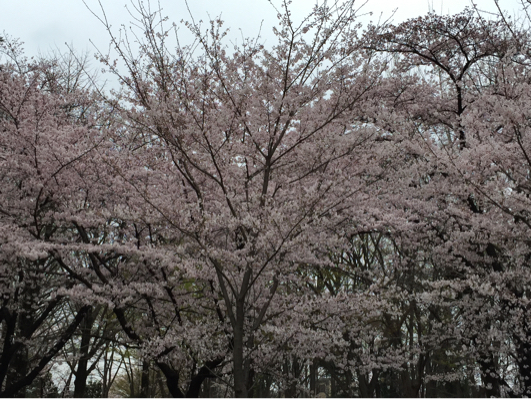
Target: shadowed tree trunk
x=80, y=384
x=144, y=382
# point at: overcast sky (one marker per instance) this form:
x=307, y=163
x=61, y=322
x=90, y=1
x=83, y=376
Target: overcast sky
x=45, y=25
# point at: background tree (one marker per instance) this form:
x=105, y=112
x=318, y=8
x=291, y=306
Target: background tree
x=35, y=175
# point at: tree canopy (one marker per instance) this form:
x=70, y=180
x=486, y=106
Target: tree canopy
x=345, y=212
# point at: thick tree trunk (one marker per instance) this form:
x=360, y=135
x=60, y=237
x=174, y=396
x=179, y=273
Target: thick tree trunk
x=80, y=384
x=19, y=369
x=19, y=366
x=410, y=385
x=313, y=379
x=144, y=382
x=20, y=361
x=523, y=360
x=172, y=380
x=367, y=389
x=490, y=377
x=204, y=373
x=240, y=379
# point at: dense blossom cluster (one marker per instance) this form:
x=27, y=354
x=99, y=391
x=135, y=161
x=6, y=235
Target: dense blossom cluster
x=342, y=212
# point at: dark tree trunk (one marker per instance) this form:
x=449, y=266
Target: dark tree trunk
x=144, y=381
x=490, y=377
x=313, y=382
x=172, y=380
x=18, y=360
x=368, y=389
x=204, y=372
x=19, y=368
x=240, y=379
x=523, y=359
x=80, y=384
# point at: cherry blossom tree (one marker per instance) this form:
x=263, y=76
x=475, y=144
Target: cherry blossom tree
x=40, y=149
x=473, y=241
x=247, y=157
